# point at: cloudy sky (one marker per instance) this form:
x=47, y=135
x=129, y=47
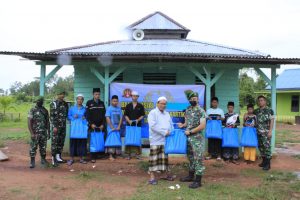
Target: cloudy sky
x=270, y=26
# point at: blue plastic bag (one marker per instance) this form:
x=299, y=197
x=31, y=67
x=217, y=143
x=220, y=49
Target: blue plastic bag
x=249, y=137
x=145, y=131
x=230, y=137
x=79, y=129
x=213, y=129
x=133, y=136
x=113, y=139
x=97, y=142
x=176, y=142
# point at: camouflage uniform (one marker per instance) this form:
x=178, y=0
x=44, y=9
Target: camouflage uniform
x=195, y=144
x=40, y=124
x=58, y=116
x=264, y=117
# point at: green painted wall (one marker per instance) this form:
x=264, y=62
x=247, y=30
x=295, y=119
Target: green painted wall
x=226, y=88
x=284, y=101
x=85, y=81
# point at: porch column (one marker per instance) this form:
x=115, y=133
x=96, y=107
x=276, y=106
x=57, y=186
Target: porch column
x=106, y=80
x=106, y=86
x=42, y=79
x=208, y=87
x=273, y=104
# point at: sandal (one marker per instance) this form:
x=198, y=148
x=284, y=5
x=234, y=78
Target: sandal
x=235, y=162
x=82, y=161
x=168, y=178
x=139, y=158
x=93, y=161
x=152, y=182
x=70, y=162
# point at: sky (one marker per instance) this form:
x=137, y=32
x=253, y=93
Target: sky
x=269, y=26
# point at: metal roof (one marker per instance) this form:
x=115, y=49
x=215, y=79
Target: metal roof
x=289, y=79
x=168, y=57
x=160, y=46
x=157, y=21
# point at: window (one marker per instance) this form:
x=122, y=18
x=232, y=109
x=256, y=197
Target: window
x=119, y=78
x=295, y=103
x=159, y=78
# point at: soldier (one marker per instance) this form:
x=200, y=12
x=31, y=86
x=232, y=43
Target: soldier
x=195, y=121
x=58, y=116
x=265, y=123
x=39, y=128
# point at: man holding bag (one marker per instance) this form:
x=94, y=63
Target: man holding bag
x=134, y=114
x=95, y=115
x=160, y=126
x=195, y=122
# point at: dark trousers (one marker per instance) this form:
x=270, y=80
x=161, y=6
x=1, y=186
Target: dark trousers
x=78, y=147
x=214, y=147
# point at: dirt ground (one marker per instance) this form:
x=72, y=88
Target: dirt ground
x=114, y=179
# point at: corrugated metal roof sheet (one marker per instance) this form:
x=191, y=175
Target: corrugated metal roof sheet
x=157, y=21
x=160, y=46
x=168, y=57
x=289, y=79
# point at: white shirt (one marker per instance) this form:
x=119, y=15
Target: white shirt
x=215, y=111
x=159, y=123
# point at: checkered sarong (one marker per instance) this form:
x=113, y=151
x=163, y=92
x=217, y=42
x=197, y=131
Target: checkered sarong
x=158, y=160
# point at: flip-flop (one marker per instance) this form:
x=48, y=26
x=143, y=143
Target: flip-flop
x=152, y=182
x=168, y=178
x=83, y=161
x=70, y=162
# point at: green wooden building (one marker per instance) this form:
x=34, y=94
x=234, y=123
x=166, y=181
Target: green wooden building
x=158, y=52
x=288, y=94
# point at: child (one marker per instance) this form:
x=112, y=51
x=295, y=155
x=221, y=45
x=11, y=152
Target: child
x=250, y=121
x=114, y=121
x=231, y=121
x=215, y=145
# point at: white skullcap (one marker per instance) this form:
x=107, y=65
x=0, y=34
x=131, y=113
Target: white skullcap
x=161, y=98
x=135, y=93
x=80, y=95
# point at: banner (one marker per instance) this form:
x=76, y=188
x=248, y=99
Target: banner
x=148, y=95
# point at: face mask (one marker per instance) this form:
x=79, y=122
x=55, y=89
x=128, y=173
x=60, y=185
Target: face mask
x=193, y=103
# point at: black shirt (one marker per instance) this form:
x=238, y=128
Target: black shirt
x=95, y=112
x=235, y=125
x=134, y=114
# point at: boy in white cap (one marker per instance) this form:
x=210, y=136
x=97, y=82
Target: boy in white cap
x=160, y=126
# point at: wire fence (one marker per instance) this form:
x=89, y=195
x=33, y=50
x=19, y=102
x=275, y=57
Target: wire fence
x=10, y=116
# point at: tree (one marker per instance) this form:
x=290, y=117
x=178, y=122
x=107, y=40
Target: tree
x=6, y=103
x=15, y=87
x=246, y=90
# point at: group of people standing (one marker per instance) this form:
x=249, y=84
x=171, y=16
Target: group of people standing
x=43, y=126
x=97, y=118
x=262, y=119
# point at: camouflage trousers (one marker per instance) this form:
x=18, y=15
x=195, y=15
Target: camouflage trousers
x=58, y=141
x=195, y=152
x=264, y=145
x=41, y=142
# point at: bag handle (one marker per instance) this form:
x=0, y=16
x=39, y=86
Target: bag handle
x=135, y=122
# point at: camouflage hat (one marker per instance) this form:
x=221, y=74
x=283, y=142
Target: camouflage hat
x=60, y=91
x=38, y=98
x=189, y=94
